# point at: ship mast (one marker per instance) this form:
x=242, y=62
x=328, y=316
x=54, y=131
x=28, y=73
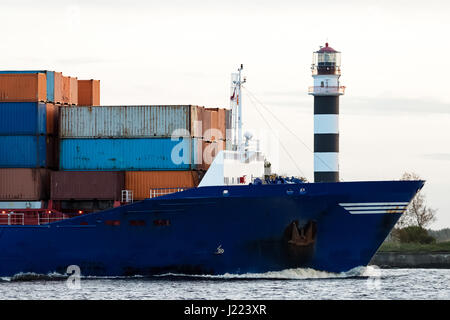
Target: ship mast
x=236, y=107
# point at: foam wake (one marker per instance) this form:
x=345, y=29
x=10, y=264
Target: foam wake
x=290, y=274
x=30, y=276
x=287, y=274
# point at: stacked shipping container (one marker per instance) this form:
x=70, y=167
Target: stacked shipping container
x=26, y=135
x=156, y=146
x=29, y=116
x=89, y=92
x=99, y=150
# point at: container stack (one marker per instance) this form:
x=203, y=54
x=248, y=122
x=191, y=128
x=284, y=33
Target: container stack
x=59, y=147
x=29, y=114
x=155, y=146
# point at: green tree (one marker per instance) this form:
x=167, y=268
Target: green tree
x=418, y=212
x=413, y=234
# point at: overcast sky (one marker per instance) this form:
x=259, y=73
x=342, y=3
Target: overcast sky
x=394, y=117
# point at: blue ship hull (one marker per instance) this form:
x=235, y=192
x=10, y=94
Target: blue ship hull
x=255, y=228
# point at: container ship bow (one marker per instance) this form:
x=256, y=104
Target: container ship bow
x=235, y=221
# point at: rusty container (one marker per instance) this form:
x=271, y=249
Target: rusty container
x=86, y=185
x=58, y=88
x=24, y=184
x=213, y=131
x=124, y=121
x=65, y=90
x=222, y=123
x=27, y=87
x=210, y=149
x=52, y=119
x=196, y=121
x=206, y=124
x=89, y=92
x=228, y=124
x=215, y=124
x=140, y=182
x=73, y=91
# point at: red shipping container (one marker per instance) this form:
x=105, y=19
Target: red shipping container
x=222, y=123
x=23, y=87
x=58, y=91
x=89, y=92
x=65, y=90
x=24, y=184
x=86, y=185
x=73, y=90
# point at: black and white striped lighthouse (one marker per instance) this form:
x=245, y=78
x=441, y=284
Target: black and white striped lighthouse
x=326, y=91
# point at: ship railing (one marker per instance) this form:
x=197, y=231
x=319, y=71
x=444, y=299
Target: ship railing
x=19, y=219
x=47, y=219
x=12, y=219
x=157, y=192
x=249, y=155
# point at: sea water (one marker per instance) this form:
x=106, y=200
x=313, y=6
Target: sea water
x=294, y=284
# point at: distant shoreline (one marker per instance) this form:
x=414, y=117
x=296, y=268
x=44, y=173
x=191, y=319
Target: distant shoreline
x=396, y=259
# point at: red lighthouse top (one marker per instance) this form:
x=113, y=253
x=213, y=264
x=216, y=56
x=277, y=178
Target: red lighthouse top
x=327, y=49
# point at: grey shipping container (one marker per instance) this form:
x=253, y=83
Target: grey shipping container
x=125, y=121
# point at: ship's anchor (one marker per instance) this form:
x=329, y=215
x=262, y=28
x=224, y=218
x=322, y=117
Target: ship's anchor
x=301, y=236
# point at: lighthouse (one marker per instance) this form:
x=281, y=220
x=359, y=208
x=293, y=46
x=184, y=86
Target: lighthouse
x=326, y=91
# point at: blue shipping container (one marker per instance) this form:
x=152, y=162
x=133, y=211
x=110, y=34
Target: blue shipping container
x=23, y=118
x=23, y=151
x=50, y=80
x=127, y=154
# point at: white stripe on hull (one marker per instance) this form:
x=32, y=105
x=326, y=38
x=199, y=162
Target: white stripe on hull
x=377, y=212
x=375, y=207
x=358, y=204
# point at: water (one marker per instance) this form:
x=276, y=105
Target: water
x=293, y=284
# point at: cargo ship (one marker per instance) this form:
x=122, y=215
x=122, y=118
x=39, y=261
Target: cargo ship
x=229, y=217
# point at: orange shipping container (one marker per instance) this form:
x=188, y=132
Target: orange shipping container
x=58, y=91
x=206, y=123
x=24, y=87
x=212, y=121
x=214, y=125
x=222, y=123
x=140, y=182
x=73, y=90
x=209, y=151
x=65, y=90
x=89, y=92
